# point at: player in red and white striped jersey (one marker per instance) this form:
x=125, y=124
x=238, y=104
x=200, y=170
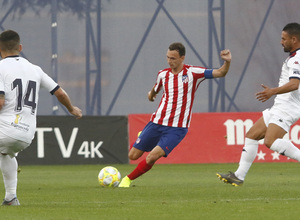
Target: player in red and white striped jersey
x=169, y=123
x=177, y=101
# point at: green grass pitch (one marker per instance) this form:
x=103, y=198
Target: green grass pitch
x=182, y=191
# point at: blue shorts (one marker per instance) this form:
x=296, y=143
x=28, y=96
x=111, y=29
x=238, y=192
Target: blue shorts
x=159, y=135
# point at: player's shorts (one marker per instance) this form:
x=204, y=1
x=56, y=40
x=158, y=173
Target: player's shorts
x=159, y=135
x=11, y=146
x=279, y=118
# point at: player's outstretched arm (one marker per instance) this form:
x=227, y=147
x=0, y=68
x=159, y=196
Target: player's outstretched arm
x=268, y=92
x=64, y=99
x=222, y=71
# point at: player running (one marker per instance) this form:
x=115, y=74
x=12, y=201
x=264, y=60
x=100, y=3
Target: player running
x=169, y=124
x=20, y=82
x=276, y=121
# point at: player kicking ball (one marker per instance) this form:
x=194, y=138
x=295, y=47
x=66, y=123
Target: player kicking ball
x=169, y=123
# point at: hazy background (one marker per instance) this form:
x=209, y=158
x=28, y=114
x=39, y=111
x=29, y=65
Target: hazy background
x=123, y=24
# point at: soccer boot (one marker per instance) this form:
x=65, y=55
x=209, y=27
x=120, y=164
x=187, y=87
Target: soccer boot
x=13, y=202
x=230, y=178
x=125, y=182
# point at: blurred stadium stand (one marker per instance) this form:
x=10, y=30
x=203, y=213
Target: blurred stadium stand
x=106, y=53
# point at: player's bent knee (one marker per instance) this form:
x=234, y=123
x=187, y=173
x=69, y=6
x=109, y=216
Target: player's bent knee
x=135, y=154
x=133, y=157
x=268, y=142
x=152, y=158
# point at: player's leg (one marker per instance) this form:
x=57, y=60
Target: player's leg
x=140, y=169
x=9, y=168
x=145, y=142
x=170, y=138
x=154, y=155
x=146, y=164
x=9, y=148
x=256, y=132
x=274, y=141
x=135, y=153
x=250, y=148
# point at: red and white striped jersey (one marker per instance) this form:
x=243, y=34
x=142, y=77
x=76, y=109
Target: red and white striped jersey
x=175, y=108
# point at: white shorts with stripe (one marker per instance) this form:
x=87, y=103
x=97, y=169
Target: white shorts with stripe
x=275, y=116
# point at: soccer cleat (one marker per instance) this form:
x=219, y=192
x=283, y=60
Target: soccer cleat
x=13, y=202
x=125, y=182
x=230, y=178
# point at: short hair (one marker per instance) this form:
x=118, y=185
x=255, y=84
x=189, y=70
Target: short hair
x=179, y=47
x=9, y=40
x=293, y=29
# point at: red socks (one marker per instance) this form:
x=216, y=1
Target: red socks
x=141, y=168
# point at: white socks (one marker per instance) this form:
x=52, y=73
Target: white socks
x=9, y=168
x=248, y=156
x=286, y=148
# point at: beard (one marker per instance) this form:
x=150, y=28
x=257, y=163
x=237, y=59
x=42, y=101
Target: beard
x=286, y=49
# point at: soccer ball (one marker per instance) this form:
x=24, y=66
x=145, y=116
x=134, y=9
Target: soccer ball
x=109, y=176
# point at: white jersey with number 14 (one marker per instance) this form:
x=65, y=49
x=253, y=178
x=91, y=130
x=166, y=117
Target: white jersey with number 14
x=20, y=82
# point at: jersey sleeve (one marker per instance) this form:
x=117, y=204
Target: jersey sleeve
x=48, y=83
x=294, y=67
x=158, y=83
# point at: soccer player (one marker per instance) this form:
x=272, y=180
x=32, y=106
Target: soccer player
x=276, y=121
x=169, y=124
x=20, y=82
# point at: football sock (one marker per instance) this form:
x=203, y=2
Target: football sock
x=248, y=156
x=9, y=168
x=141, y=168
x=286, y=148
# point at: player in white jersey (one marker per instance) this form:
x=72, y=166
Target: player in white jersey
x=169, y=124
x=20, y=82
x=276, y=121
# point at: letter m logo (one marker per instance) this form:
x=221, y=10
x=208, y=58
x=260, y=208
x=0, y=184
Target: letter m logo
x=236, y=131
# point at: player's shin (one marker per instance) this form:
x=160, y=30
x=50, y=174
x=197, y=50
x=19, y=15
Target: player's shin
x=248, y=156
x=9, y=167
x=141, y=168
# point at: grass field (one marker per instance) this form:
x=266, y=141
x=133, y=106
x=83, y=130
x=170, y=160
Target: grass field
x=191, y=191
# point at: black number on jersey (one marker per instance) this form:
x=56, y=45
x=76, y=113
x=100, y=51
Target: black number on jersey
x=28, y=100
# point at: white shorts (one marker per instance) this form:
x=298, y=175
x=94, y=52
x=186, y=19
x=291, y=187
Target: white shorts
x=279, y=118
x=11, y=146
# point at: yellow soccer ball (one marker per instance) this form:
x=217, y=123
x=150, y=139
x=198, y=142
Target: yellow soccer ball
x=109, y=177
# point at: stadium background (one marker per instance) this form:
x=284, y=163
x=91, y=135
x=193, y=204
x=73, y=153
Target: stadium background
x=132, y=43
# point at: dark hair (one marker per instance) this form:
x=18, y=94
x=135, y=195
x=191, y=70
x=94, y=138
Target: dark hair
x=293, y=29
x=9, y=40
x=178, y=47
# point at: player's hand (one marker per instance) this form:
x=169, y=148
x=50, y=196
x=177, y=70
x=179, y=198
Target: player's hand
x=151, y=97
x=226, y=55
x=265, y=94
x=76, y=112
